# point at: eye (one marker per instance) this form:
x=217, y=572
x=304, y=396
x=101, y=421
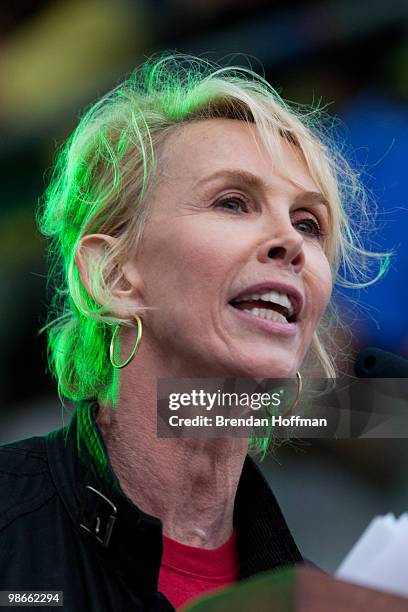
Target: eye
x=233, y=204
x=312, y=227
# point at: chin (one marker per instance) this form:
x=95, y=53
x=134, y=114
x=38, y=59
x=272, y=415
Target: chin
x=273, y=372
x=264, y=369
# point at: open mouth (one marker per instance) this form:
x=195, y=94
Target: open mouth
x=269, y=312
x=270, y=306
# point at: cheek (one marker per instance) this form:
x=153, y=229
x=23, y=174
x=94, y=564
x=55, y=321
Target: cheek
x=186, y=260
x=206, y=261
x=318, y=284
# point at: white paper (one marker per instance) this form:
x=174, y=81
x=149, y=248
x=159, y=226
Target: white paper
x=379, y=558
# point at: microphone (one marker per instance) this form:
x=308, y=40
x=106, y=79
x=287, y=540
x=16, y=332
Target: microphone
x=373, y=362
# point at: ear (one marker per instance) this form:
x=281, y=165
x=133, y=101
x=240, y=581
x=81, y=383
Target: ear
x=125, y=284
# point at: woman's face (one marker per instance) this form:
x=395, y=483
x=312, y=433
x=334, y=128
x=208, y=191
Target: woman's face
x=225, y=225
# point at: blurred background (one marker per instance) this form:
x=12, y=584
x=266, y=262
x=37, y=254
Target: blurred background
x=57, y=57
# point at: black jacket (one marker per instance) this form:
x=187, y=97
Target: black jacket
x=65, y=524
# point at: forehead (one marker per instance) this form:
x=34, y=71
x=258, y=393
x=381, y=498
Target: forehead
x=205, y=148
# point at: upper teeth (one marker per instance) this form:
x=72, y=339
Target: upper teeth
x=270, y=296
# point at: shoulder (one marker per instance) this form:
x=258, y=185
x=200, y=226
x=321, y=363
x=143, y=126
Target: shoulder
x=25, y=480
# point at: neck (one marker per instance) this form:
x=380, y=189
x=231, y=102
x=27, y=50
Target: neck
x=189, y=484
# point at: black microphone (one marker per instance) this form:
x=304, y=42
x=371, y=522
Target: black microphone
x=373, y=362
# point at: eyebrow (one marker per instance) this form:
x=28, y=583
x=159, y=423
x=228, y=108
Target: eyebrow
x=252, y=180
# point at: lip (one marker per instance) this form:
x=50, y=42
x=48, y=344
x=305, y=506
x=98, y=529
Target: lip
x=295, y=296
x=286, y=330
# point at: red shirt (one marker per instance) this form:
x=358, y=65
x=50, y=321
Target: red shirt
x=187, y=572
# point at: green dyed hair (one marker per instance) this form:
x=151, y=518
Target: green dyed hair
x=103, y=176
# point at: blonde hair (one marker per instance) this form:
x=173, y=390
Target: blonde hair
x=102, y=180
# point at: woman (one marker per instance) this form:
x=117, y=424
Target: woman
x=198, y=224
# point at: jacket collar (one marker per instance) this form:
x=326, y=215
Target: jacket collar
x=128, y=539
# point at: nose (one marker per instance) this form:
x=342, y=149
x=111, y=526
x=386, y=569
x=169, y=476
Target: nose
x=285, y=248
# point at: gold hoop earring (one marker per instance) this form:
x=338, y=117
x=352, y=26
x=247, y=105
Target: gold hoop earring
x=136, y=345
x=298, y=394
